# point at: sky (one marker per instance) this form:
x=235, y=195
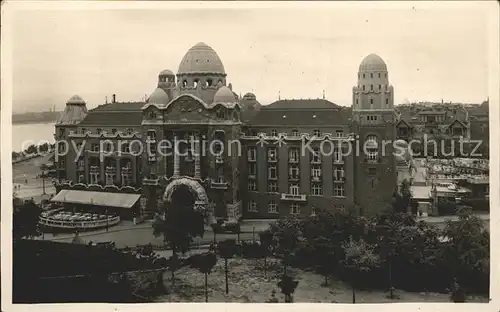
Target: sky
x=297, y=52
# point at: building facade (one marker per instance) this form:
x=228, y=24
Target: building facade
x=230, y=155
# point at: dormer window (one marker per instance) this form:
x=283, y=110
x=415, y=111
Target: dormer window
x=295, y=133
x=316, y=133
x=274, y=133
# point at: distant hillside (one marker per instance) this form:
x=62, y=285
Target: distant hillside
x=40, y=117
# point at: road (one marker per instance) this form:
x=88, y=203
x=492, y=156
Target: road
x=143, y=236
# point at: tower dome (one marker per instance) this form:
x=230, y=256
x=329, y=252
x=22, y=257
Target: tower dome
x=372, y=62
x=166, y=72
x=76, y=99
x=159, y=96
x=201, y=59
x=224, y=95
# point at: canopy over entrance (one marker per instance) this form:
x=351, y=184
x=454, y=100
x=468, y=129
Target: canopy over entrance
x=118, y=200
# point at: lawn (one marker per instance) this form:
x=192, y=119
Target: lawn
x=247, y=284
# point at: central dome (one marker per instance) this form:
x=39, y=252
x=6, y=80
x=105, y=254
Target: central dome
x=201, y=59
x=373, y=62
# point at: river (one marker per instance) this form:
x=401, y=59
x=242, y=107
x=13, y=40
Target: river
x=24, y=135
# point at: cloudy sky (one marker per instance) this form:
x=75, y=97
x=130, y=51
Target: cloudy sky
x=432, y=53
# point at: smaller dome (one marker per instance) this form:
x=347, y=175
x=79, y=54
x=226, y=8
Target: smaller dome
x=75, y=99
x=224, y=95
x=159, y=96
x=373, y=62
x=166, y=72
x=249, y=96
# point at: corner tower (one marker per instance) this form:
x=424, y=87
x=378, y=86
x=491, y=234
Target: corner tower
x=373, y=122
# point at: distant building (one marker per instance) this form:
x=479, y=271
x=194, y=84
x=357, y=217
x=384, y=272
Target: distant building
x=272, y=176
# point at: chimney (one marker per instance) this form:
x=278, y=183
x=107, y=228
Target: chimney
x=114, y=99
x=106, y=99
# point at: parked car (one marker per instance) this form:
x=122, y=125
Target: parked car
x=225, y=226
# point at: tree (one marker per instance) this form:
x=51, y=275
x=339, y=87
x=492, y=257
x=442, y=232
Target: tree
x=286, y=235
x=467, y=251
x=205, y=263
x=178, y=227
x=227, y=249
x=402, y=197
x=26, y=216
x=359, y=258
x=266, y=242
x=287, y=285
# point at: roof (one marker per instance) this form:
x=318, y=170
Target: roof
x=119, y=200
x=224, y=95
x=159, y=96
x=420, y=192
x=75, y=99
x=72, y=114
x=304, y=117
x=373, y=62
x=301, y=104
x=129, y=113
x=166, y=72
x=201, y=59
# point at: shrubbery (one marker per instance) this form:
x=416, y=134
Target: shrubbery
x=390, y=250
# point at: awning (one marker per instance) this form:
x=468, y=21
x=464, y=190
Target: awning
x=119, y=200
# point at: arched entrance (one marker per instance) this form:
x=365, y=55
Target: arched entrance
x=190, y=193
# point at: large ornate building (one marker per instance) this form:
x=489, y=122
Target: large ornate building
x=286, y=158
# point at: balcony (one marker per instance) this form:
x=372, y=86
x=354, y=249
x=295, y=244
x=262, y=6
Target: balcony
x=292, y=197
x=372, y=161
x=338, y=179
x=316, y=178
x=252, y=176
x=219, y=184
x=316, y=161
x=293, y=160
x=152, y=158
x=272, y=159
x=150, y=181
x=294, y=177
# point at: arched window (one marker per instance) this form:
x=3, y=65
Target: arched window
x=196, y=81
x=184, y=83
x=209, y=82
x=221, y=114
x=371, y=101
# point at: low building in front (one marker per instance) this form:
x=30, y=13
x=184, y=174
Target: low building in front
x=196, y=142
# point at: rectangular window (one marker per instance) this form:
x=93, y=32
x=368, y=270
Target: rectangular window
x=316, y=172
x=95, y=147
x=251, y=154
x=125, y=147
x=84, y=130
x=272, y=172
x=151, y=135
x=316, y=133
x=339, y=133
x=294, y=209
x=99, y=130
x=294, y=189
x=293, y=155
x=338, y=173
x=272, y=187
x=338, y=190
x=272, y=207
x=271, y=154
x=110, y=178
x=94, y=178
x=252, y=186
x=274, y=133
x=113, y=131
x=316, y=156
x=252, y=169
x=295, y=133
x=316, y=189
x=294, y=172
x=337, y=156
x=252, y=206
x=130, y=131
x=81, y=178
